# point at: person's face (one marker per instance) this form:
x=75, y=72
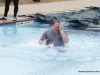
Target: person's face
x=55, y=27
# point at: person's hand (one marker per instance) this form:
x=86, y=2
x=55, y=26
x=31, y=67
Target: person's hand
x=45, y=40
x=60, y=27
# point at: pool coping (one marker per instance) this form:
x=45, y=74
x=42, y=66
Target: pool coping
x=20, y=20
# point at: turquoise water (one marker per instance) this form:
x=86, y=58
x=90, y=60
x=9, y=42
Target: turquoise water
x=20, y=53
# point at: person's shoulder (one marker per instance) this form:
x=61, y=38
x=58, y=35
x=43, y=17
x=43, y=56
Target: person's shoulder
x=47, y=30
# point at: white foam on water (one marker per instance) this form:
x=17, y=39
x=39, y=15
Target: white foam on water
x=21, y=54
x=34, y=43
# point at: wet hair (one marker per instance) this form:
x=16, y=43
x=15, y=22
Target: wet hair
x=55, y=22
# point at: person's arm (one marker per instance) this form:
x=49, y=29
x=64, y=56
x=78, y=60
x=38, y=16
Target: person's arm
x=43, y=42
x=63, y=35
x=43, y=39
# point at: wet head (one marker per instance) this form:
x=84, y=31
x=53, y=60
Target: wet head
x=55, y=26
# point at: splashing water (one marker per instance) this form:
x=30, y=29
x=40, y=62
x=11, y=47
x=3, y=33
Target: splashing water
x=20, y=53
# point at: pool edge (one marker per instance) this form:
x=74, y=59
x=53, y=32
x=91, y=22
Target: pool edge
x=27, y=19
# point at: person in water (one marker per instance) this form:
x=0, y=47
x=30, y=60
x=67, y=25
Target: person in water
x=7, y=3
x=55, y=35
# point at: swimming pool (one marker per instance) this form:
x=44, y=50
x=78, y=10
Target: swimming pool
x=20, y=53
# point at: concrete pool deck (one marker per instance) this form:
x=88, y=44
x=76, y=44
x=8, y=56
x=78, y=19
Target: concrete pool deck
x=47, y=8
x=19, y=19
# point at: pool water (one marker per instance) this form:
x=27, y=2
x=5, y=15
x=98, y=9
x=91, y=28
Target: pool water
x=20, y=53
